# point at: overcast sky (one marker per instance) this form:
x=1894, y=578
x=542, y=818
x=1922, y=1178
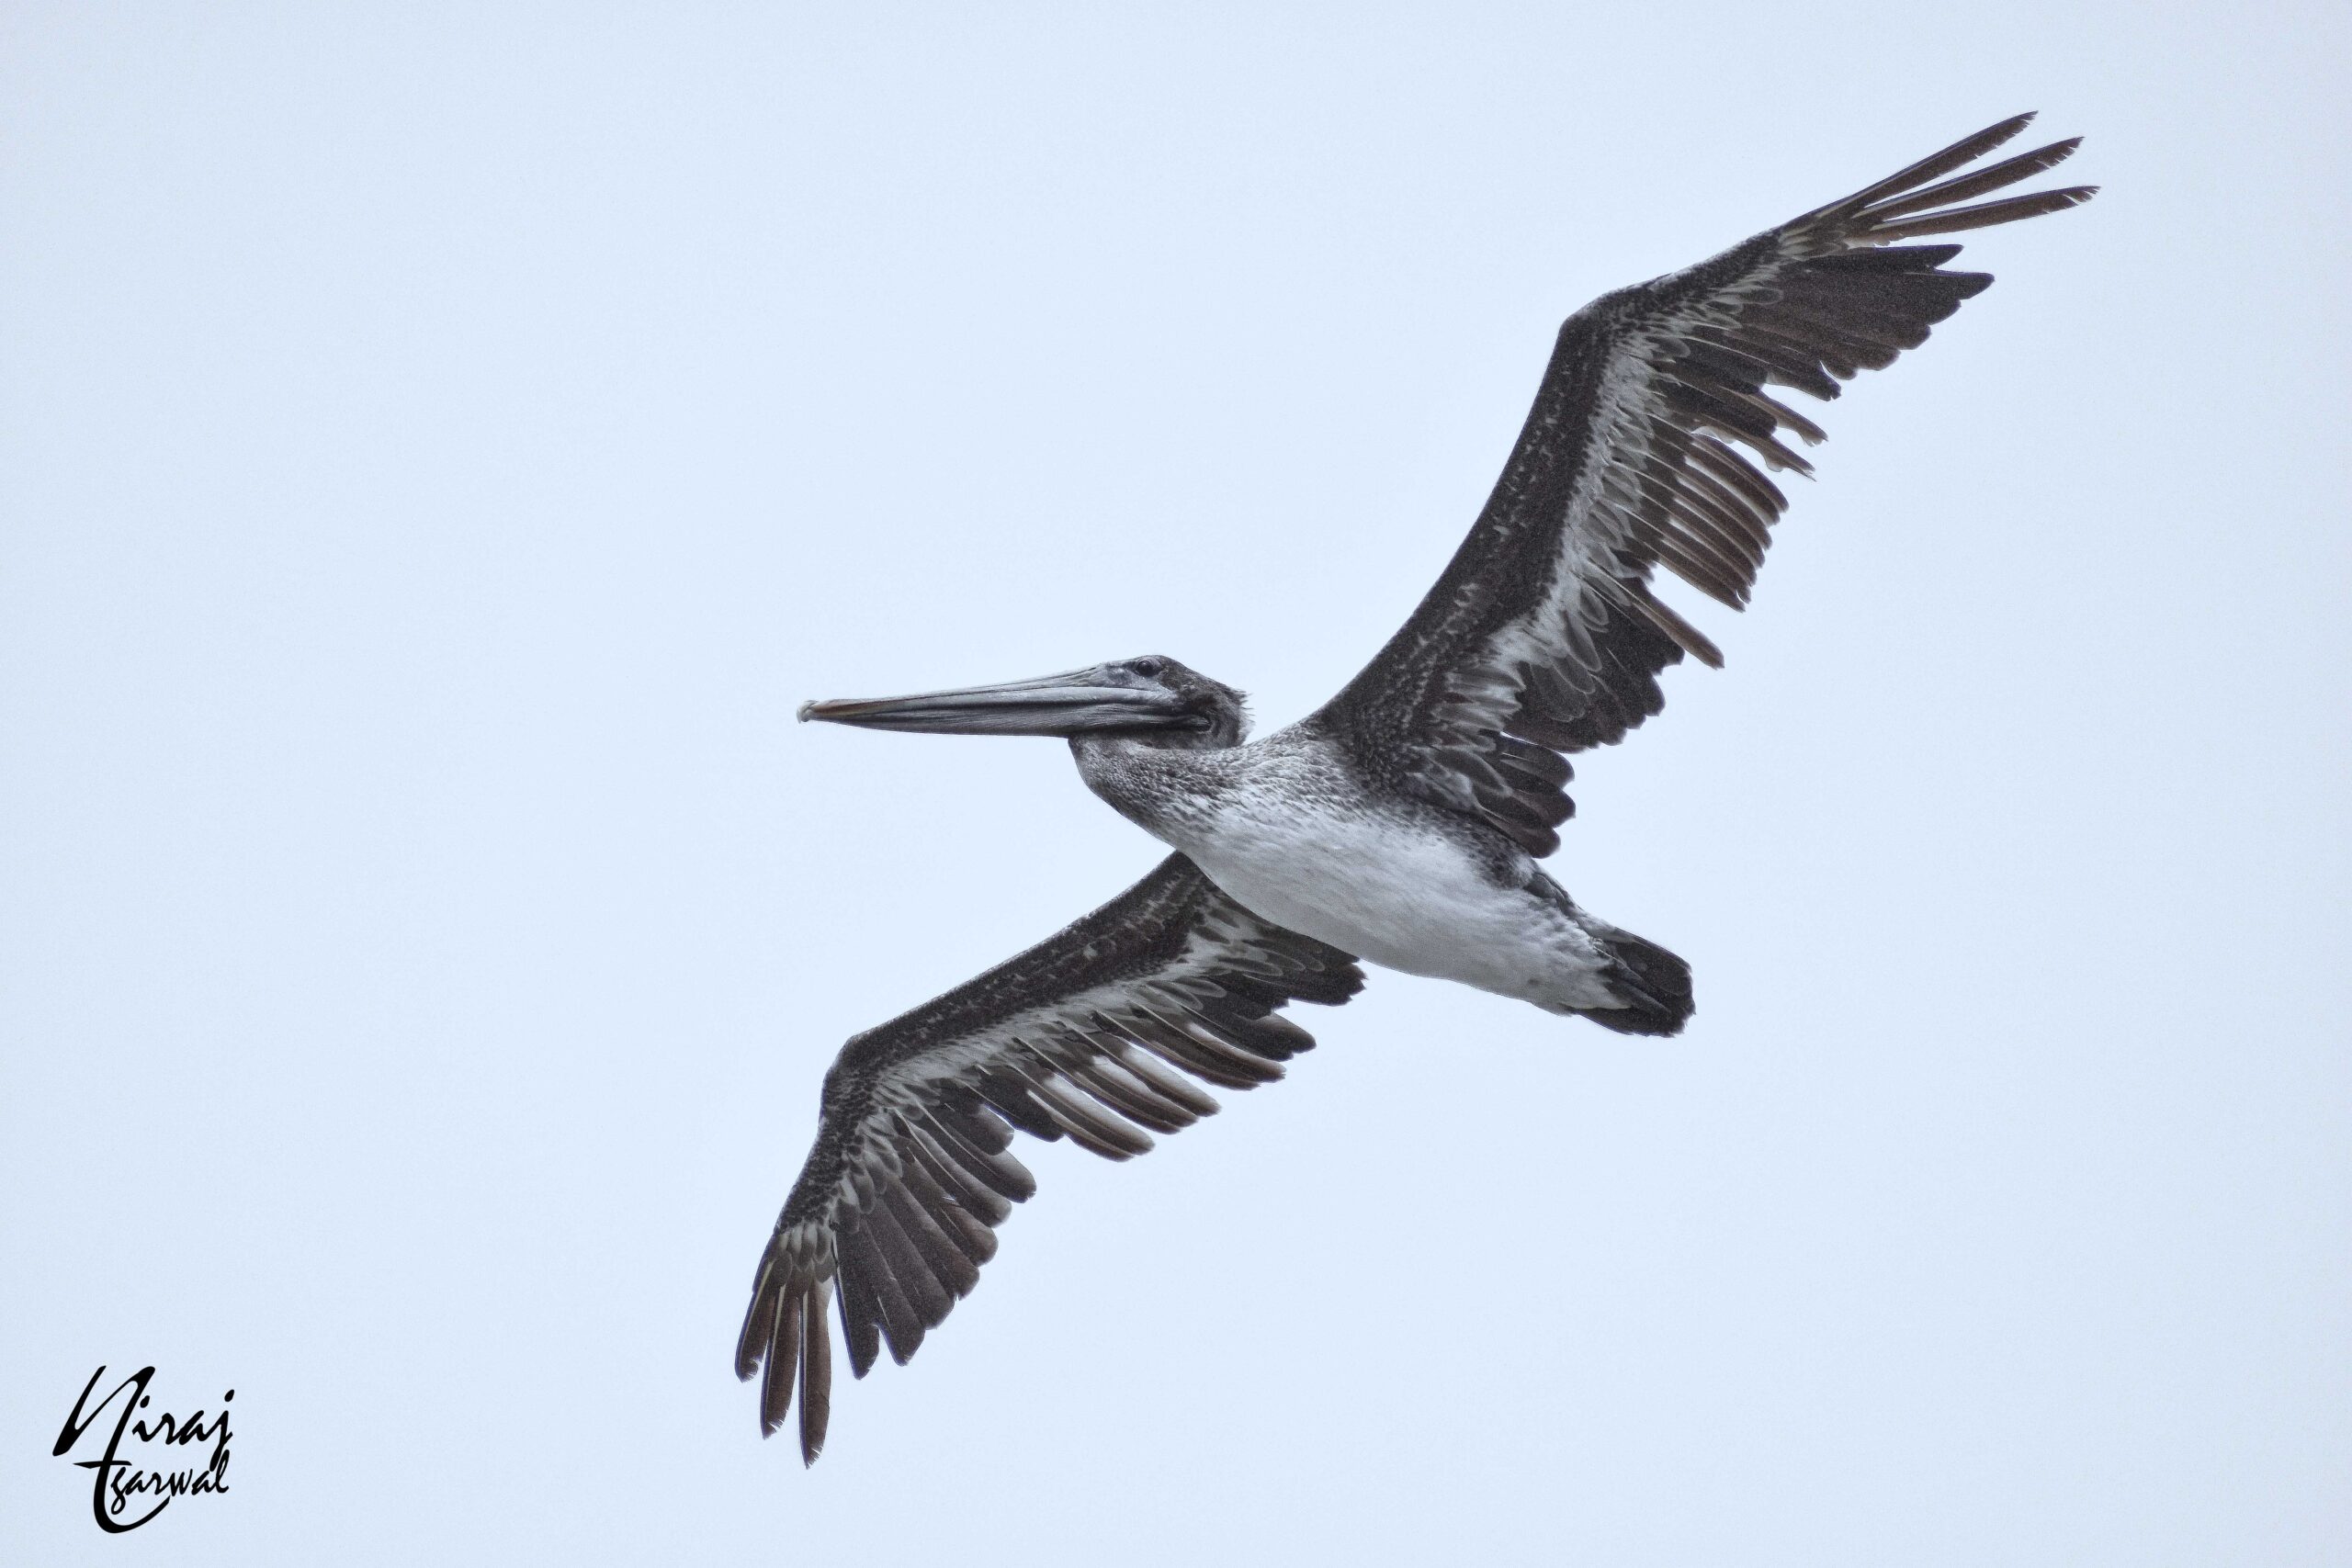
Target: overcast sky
x=442, y=444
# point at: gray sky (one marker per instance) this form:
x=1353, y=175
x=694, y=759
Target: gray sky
x=442, y=444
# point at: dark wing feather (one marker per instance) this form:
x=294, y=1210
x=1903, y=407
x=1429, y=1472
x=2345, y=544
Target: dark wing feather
x=1542, y=636
x=895, y=1211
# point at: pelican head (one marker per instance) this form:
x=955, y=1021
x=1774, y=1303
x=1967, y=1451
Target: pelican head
x=1153, y=699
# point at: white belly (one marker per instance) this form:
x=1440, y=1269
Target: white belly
x=1400, y=894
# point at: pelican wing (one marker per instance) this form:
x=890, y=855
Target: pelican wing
x=895, y=1211
x=1543, y=635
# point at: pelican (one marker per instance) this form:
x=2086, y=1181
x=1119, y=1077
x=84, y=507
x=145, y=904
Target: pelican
x=1401, y=823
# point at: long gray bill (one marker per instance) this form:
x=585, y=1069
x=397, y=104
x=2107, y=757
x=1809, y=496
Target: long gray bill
x=1069, y=703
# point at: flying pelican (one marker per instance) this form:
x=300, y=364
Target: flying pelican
x=1401, y=822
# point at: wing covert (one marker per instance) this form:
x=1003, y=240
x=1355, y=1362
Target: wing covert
x=1095, y=1033
x=1542, y=636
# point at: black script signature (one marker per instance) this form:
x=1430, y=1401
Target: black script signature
x=117, y=1480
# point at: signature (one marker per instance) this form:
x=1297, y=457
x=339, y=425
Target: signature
x=116, y=1481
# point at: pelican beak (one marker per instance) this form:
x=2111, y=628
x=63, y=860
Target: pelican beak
x=1063, y=705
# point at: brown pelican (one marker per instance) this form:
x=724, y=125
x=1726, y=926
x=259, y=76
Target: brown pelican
x=1400, y=823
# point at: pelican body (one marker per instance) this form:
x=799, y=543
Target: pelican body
x=1292, y=828
x=1403, y=821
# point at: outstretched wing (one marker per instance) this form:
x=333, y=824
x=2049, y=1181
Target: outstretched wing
x=894, y=1212
x=1543, y=635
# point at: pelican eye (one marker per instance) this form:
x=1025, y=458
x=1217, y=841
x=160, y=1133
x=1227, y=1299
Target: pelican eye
x=1147, y=668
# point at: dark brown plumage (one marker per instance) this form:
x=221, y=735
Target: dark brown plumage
x=1542, y=628
x=894, y=1213
x=1542, y=637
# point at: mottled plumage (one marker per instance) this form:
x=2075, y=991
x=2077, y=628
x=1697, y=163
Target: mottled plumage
x=1077, y=1036
x=1403, y=822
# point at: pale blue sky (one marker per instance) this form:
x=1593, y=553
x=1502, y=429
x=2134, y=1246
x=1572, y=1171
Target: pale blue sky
x=443, y=443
